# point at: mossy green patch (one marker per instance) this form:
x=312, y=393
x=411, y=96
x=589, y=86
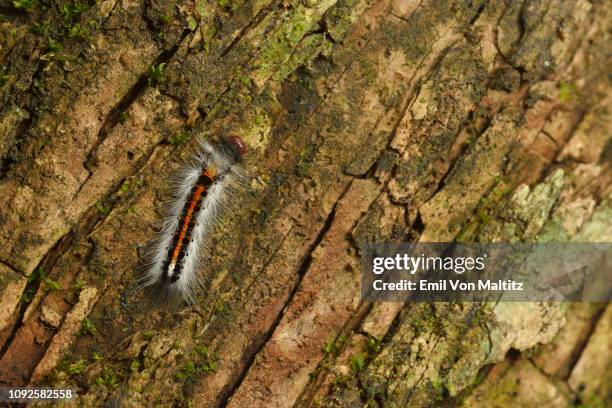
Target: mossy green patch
x=109, y=378
x=201, y=361
x=40, y=28
x=135, y=365
x=71, y=10
x=102, y=209
x=53, y=45
x=156, y=74
x=77, y=367
x=192, y=24
x=358, y=362
x=147, y=335
x=23, y=4
x=373, y=346
x=282, y=43
x=567, y=92
x=87, y=327
x=330, y=348
x=310, y=46
x=180, y=138
x=593, y=401
x=123, y=116
x=51, y=284
x=37, y=275
x=129, y=188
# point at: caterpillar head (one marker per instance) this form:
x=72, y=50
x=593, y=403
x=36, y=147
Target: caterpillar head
x=237, y=144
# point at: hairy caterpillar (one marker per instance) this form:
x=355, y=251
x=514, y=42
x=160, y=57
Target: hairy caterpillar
x=201, y=191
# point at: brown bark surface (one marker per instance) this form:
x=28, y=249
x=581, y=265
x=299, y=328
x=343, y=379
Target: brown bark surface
x=366, y=121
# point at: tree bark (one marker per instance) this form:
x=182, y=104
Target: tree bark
x=366, y=121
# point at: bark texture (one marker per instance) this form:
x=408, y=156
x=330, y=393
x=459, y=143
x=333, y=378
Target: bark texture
x=366, y=121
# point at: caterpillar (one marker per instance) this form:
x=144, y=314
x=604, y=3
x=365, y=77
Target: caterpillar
x=201, y=191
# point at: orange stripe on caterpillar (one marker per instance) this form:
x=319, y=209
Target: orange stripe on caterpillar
x=191, y=205
x=206, y=179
